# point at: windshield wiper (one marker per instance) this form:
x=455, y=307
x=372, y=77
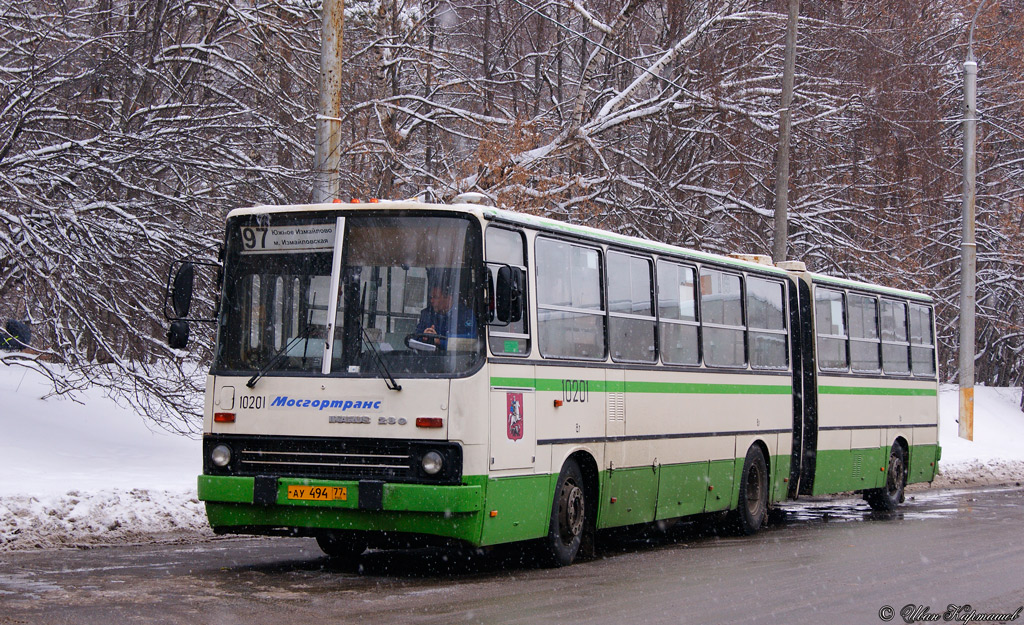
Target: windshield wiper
x=378, y=359
x=279, y=356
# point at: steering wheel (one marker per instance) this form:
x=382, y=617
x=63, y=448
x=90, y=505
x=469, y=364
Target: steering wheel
x=423, y=341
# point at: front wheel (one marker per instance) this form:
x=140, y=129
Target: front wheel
x=568, y=517
x=753, y=500
x=341, y=546
x=891, y=495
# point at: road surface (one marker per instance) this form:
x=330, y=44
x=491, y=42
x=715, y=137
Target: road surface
x=822, y=561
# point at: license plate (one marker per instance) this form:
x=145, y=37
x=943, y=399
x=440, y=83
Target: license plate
x=318, y=493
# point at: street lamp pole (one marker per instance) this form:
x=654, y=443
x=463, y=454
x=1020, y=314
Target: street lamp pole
x=327, y=155
x=780, y=238
x=968, y=248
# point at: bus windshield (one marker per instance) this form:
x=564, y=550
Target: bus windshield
x=407, y=291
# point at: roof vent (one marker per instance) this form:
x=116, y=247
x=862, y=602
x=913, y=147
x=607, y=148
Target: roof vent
x=471, y=197
x=760, y=259
x=792, y=265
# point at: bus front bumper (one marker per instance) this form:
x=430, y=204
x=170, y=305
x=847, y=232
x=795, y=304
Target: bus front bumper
x=263, y=505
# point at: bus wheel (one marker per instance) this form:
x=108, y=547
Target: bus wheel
x=568, y=517
x=341, y=546
x=753, y=501
x=890, y=495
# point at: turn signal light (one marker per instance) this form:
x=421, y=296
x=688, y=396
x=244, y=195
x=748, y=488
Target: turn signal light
x=429, y=422
x=224, y=417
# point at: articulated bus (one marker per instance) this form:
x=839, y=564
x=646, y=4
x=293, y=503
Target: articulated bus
x=406, y=373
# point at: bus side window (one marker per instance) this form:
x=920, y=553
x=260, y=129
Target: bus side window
x=766, y=319
x=864, y=344
x=570, y=310
x=721, y=305
x=677, y=310
x=508, y=247
x=922, y=343
x=895, y=346
x=830, y=322
x=631, y=322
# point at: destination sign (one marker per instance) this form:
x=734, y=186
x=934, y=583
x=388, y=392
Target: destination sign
x=288, y=239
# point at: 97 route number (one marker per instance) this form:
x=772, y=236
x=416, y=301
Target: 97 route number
x=251, y=237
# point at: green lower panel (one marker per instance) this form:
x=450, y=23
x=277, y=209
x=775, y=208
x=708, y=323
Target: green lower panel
x=682, y=490
x=487, y=511
x=722, y=476
x=779, y=474
x=843, y=470
x=628, y=496
x=923, y=463
x=521, y=507
x=838, y=471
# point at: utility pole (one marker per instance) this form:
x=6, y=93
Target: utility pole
x=328, y=123
x=781, y=235
x=968, y=249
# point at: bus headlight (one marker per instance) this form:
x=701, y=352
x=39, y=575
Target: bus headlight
x=221, y=455
x=432, y=463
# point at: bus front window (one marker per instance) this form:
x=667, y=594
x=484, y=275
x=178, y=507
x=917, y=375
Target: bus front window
x=408, y=289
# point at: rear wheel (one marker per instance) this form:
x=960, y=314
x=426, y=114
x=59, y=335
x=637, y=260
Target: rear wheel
x=568, y=517
x=341, y=545
x=891, y=495
x=753, y=501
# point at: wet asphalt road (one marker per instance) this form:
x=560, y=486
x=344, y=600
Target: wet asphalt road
x=827, y=561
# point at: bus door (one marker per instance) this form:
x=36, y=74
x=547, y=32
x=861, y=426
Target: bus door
x=513, y=395
x=805, y=390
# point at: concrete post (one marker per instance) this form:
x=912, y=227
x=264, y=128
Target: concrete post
x=968, y=253
x=328, y=125
x=781, y=234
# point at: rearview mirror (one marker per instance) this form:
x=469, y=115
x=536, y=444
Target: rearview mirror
x=181, y=294
x=508, y=294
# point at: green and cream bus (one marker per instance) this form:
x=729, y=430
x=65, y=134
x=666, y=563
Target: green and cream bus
x=405, y=373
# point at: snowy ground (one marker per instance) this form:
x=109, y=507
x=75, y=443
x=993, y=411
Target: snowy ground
x=75, y=474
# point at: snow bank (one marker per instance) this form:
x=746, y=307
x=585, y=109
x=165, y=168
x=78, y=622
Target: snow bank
x=92, y=472
x=81, y=518
x=996, y=455
x=89, y=471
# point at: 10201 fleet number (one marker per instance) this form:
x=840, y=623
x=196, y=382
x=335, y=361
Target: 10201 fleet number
x=575, y=391
x=252, y=402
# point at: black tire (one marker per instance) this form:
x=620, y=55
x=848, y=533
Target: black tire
x=752, y=508
x=341, y=546
x=568, y=517
x=887, y=498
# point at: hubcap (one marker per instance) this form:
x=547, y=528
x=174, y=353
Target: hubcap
x=570, y=511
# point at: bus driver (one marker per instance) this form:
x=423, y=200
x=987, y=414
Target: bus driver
x=438, y=317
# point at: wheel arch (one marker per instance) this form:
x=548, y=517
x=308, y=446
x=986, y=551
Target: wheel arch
x=588, y=467
x=761, y=446
x=902, y=442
